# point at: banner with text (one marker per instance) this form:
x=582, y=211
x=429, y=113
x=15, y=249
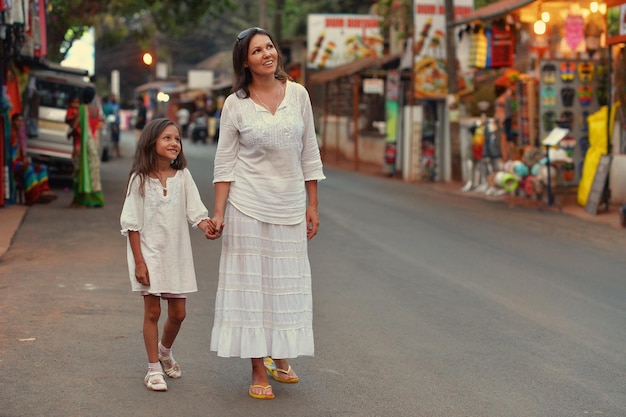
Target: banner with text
x=336, y=39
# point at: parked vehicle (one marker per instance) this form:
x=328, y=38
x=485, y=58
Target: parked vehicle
x=46, y=102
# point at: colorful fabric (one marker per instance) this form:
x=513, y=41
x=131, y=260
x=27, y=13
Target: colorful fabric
x=478, y=49
x=585, y=95
x=548, y=97
x=33, y=177
x=574, y=31
x=87, y=187
x=585, y=72
x=548, y=74
x=568, y=71
x=567, y=96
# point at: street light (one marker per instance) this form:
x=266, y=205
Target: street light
x=147, y=58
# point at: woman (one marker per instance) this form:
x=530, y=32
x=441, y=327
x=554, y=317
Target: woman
x=84, y=120
x=267, y=165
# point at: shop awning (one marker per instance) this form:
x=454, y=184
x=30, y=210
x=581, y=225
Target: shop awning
x=351, y=68
x=493, y=10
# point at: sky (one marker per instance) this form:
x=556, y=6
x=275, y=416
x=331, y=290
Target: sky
x=82, y=53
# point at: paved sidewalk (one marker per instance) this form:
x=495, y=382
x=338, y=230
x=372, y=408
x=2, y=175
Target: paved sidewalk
x=563, y=203
x=11, y=217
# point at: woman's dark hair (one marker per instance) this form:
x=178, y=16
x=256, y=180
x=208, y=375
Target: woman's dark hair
x=145, y=160
x=242, y=74
x=89, y=93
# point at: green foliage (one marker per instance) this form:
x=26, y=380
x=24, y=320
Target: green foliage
x=482, y=3
x=118, y=19
x=397, y=14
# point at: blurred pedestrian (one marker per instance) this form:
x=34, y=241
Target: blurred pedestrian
x=267, y=165
x=161, y=199
x=83, y=117
x=182, y=114
x=111, y=110
x=141, y=119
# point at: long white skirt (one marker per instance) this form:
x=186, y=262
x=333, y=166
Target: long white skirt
x=264, y=305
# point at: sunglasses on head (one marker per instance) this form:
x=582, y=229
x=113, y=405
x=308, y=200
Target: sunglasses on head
x=246, y=32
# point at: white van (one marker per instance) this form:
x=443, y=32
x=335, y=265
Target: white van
x=46, y=102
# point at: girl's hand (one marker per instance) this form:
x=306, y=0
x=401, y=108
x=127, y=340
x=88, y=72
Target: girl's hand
x=141, y=273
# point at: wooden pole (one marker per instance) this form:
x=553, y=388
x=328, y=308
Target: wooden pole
x=325, y=128
x=337, y=118
x=355, y=113
x=453, y=93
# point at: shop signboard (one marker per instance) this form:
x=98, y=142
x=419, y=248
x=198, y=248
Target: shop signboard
x=429, y=47
x=615, y=21
x=336, y=39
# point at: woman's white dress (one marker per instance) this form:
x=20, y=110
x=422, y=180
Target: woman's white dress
x=264, y=303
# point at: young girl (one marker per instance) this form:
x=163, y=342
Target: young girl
x=161, y=199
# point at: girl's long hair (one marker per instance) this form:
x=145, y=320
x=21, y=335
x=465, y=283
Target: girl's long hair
x=145, y=160
x=242, y=74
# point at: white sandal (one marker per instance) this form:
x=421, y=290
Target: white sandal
x=170, y=366
x=154, y=381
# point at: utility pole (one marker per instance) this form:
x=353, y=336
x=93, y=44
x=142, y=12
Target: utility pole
x=453, y=94
x=263, y=14
x=278, y=20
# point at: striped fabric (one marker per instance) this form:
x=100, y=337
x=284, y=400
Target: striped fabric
x=264, y=304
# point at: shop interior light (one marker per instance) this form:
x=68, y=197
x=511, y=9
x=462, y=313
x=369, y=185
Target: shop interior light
x=539, y=27
x=602, y=8
x=163, y=97
x=545, y=16
x=594, y=7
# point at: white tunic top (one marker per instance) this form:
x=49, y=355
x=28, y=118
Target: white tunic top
x=267, y=158
x=162, y=223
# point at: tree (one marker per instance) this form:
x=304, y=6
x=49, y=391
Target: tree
x=69, y=19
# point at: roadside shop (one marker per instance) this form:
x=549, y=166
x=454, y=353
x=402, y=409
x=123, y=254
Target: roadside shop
x=557, y=67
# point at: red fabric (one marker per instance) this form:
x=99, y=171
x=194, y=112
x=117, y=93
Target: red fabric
x=13, y=91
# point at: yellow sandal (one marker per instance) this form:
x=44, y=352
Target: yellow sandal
x=266, y=395
x=291, y=377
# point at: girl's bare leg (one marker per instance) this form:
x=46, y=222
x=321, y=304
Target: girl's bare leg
x=176, y=313
x=152, y=312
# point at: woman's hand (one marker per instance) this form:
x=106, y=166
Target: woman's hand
x=312, y=222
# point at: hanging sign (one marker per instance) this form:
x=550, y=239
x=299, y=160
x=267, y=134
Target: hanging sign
x=502, y=47
x=336, y=39
x=615, y=21
x=429, y=47
x=373, y=86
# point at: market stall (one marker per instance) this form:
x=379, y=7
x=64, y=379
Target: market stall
x=558, y=53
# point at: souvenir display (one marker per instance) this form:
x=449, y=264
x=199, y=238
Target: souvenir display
x=569, y=91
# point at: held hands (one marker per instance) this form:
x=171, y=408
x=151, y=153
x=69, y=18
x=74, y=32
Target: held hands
x=213, y=228
x=312, y=222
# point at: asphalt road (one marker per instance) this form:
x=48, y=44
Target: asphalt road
x=425, y=304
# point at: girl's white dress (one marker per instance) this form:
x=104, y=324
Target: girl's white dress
x=163, y=225
x=264, y=304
